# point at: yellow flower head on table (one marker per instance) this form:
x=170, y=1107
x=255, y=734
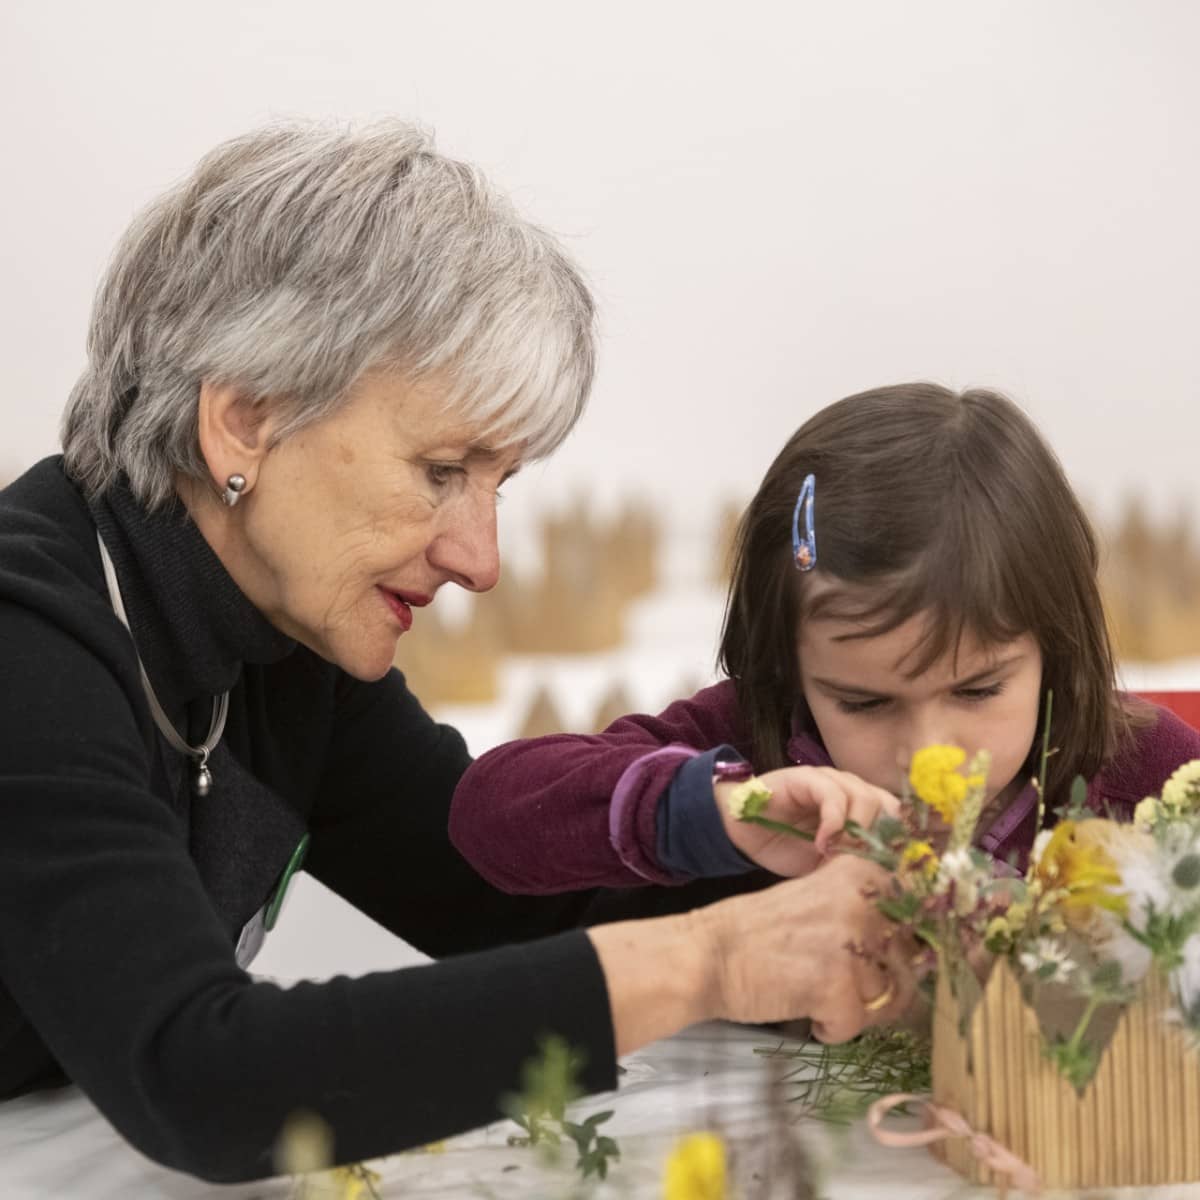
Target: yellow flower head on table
x=354, y=1183
x=696, y=1169
x=1076, y=862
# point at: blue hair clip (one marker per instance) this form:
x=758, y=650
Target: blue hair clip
x=804, y=548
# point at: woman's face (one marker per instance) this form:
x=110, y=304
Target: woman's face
x=357, y=520
x=872, y=717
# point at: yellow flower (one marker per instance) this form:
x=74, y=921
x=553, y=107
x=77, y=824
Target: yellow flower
x=936, y=780
x=998, y=927
x=1016, y=916
x=1008, y=926
x=305, y=1144
x=1181, y=793
x=354, y=1182
x=1145, y=814
x=1076, y=863
x=749, y=799
x=696, y=1169
x=919, y=856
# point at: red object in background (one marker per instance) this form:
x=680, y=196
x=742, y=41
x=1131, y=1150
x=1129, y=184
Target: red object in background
x=1185, y=705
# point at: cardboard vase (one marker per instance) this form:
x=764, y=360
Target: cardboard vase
x=1136, y=1123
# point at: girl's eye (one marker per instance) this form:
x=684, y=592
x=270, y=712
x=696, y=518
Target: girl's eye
x=861, y=706
x=975, y=695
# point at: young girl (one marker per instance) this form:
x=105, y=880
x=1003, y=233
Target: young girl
x=914, y=569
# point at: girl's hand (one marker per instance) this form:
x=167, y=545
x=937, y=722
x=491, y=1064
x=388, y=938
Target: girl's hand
x=817, y=800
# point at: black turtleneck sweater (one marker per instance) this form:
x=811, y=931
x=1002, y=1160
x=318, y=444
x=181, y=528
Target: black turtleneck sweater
x=122, y=894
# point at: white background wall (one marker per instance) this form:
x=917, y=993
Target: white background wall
x=777, y=204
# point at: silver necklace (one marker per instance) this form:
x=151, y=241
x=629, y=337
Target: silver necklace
x=201, y=775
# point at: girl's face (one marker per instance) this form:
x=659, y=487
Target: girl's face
x=872, y=717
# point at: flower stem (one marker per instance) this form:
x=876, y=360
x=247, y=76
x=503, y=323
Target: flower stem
x=780, y=827
x=1041, y=790
x=1093, y=1003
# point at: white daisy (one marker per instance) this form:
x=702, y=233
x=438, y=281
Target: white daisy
x=960, y=868
x=1048, y=960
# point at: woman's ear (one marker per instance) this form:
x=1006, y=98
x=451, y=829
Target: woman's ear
x=234, y=431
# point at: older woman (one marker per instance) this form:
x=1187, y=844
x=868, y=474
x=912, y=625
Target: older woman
x=310, y=369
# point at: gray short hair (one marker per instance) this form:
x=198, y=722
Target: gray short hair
x=297, y=257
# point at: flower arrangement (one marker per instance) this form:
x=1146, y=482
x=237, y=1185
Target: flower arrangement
x=1099, y=905
x=1066, y=992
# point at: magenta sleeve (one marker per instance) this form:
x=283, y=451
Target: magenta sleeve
x=632, y=826
x=573, y=811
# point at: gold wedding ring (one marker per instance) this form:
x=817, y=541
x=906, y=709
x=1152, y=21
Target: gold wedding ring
x=883, y=999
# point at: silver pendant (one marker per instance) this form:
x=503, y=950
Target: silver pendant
x=202, y=780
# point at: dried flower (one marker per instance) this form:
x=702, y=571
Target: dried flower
x=972, y=804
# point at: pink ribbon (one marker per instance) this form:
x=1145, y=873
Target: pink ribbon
x=942, y=1123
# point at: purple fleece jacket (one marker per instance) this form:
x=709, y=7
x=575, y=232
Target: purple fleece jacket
x=572, y=811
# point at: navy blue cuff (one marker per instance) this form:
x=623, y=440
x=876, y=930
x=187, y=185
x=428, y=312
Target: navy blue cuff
x=691, y=838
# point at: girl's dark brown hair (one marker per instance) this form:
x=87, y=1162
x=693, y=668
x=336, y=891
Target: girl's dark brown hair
x=927, y=501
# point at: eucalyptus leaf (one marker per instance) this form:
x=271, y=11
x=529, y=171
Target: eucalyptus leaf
x=1079, y=793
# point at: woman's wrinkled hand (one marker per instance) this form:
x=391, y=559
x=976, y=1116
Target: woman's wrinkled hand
x=816, y=947
x=817, y=800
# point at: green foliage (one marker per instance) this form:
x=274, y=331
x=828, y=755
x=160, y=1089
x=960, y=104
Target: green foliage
x=594, y=1149
x=1075, y=1058
x=904, y=908
x=550, y=1083
x=1076, y=808
x=838, y=1083
x=880, y=842
x=1166, y=934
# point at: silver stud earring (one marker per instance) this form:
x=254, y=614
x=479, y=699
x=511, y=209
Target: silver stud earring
x=235, y=485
